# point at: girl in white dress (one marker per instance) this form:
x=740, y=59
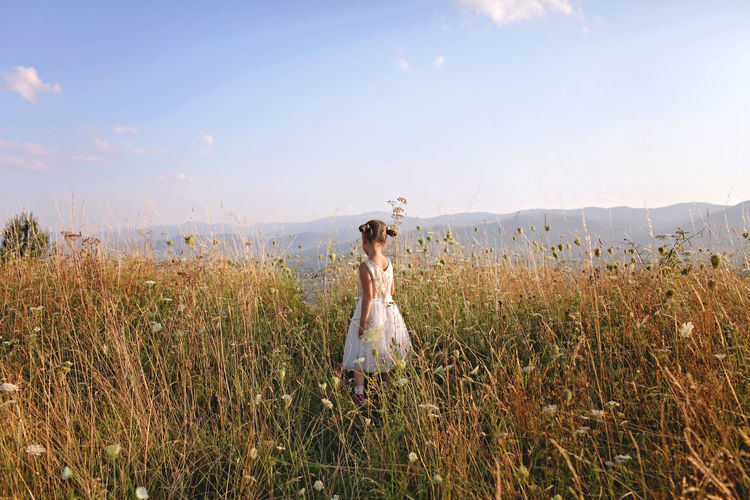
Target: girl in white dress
x=377, y=335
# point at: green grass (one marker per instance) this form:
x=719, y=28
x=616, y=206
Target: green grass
x=184, y=374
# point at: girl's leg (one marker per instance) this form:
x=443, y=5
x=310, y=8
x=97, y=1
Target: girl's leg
x=359, y=378
x=359, y=389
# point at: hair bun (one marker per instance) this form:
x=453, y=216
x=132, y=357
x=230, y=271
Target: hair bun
x=362, y=228
x=391, y=232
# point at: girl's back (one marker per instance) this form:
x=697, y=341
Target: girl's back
x=382, y=279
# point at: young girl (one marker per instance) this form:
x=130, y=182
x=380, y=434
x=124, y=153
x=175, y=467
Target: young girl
x=377, y=334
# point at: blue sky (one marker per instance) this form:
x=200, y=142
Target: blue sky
x=162, y=112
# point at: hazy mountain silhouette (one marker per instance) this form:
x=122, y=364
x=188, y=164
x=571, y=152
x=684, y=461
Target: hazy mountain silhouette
x=714, y=226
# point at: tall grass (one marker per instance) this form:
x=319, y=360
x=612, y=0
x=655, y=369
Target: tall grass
x=530, y=378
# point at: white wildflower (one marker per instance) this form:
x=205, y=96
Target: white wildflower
x=327, y=403
x=286, y=397
x=720, y=356
x=67, y=473
x=412, y=456
x=318, y=485
x=499, y=436
x=583, y=429
x=474, y=371
x=258, y=398
x=35, y=449
x=609, y=463
x=141, y=493
x=367, y=421
x=686, y=330
x=112, y=451
x=622, y=458
x=527, y=369
x=372, y=335
x=155, y=327
x=302, y=492
x=36, y=309
x=181, y=308
x=439, y=369
x=401, y=382
x=335, y=497
x=359, y=361
x=166, y=299
x=437, y=479
x=253, y=452
x=597, y=413
x=8, y=387
x=323, y=386
x=551, y=409
x=428, y=406
x=611, y=404
x=149, y=283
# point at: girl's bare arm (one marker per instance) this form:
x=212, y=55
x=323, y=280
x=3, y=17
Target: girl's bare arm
x=393, y=287
x=368, y=289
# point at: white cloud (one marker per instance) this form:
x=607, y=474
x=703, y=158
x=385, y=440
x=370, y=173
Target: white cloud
x=125, y=148
x=26, y=83
x=126, y=129
x=439, y=61
x=35, y=149
x=20, y=152
x=31, y=156
x=86, y=159
x=507, y=11
x=24, y=163
x=136, y=150
x=175, y=177
x=404, y=65
x=205, y=143
x=104, y=145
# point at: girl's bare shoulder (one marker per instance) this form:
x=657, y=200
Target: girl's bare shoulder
x=364, y=269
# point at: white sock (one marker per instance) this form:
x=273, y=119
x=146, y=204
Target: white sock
x=359, y=389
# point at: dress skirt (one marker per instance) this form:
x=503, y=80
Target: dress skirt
x=385, y=339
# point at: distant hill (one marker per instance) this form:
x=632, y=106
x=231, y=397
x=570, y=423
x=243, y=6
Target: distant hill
x=715, y=226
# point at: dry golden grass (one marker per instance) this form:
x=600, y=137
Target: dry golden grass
x=545, y=379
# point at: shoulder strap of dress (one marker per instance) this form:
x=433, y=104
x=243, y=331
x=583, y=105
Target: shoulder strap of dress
x=371, y=266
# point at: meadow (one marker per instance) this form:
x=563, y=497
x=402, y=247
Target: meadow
x=621, y=375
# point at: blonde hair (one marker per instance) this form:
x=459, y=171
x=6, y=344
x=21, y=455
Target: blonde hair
x=376, y=230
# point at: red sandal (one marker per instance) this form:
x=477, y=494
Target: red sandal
x=360, y=400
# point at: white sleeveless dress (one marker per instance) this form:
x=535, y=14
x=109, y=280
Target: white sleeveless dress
x=385, y=333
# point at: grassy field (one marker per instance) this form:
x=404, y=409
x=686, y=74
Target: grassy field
x=208, y=378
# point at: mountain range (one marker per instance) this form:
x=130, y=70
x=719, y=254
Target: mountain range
x=710, y=226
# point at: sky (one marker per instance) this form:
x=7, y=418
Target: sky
x=138, y=113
